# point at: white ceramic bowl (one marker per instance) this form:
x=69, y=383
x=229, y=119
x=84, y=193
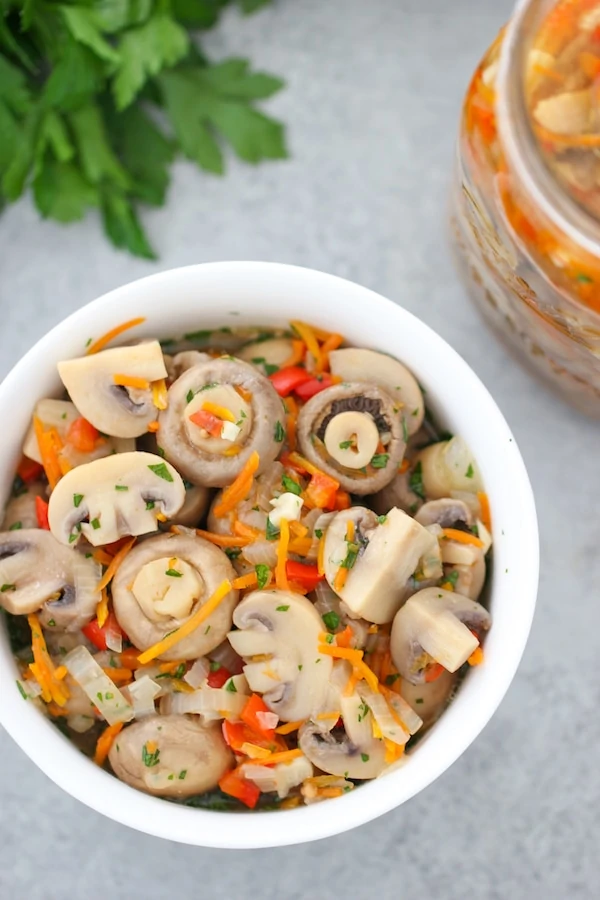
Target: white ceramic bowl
x=235, y=293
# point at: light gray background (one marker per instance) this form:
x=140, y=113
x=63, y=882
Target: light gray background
x=373, y=100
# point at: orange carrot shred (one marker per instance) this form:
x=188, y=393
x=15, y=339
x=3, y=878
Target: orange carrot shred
x=105, y=742
x=101, y=343
x=240, y=488
x=461, y=537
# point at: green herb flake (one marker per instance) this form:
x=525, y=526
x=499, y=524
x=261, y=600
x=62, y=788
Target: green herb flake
x=170, y=777
x=415, y=412
x=363, y=710
x=150, y=759
x=390, y=679
x=345, y=445
x=584, y=279
x=282, y=608
x=419, y=700
x=299, y=667
x=290, y=485
x=72, y=538
x=99, y=696
x=214, y=665
x=382, y=520
x=318, y=534
x=121, y=487
x=182, y=774
x=232, y=552
x=173, y=573
x=150, y=504
x=415, y=482
x=475, y=530
x=380, y=460
x=230, y=686
x=364, y=757
x=16, y=526
x=329, y=639
x=351, y=556
x=279, y=433
x=470, y=471
x=22, y=691
x=452, y=577
x=109, y=696
x=331, y=620
x=77, y=498
x=272, y=532
x=263, y=574
x=95, y=523
x=161, y=470
x=208, y=387
x=207, y=629
x=88, y=342
x=7, y=587
x=189, y=396
x=405, y=434
x=51, y=623
x=160, y=451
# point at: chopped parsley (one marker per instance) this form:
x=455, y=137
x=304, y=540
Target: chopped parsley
x=318, y=533
x=230, y=686
x=161, y=470
x=182, y=774
x=282, y=608
x=22, y=691
x=77, y=498
x=121, y=487
x=150, y=759
x=208, y=387
x=351, y=556
x=345, y=445
x=419, y=700
x=263, y=574
x=16, y=526
x=380, y=460
x=150, y=504
x=214, y=665
x=475, y=530
x=232, y=552
x=197, y=335
x=72, y=537
x=272, y=532
x=109, y=696
x=390, y=679
x=329, y=639
x=364, y=757
x=207, y=629
x=415, y=412
x=189, y=396
x=381, y=520
x=470, y=472
x=160, y=450
x=179, y=671
x=279, y=433
x=299, y=667
x=363, y=710
x=415, y=482
x=331, y=619
x=584, y=279
x=452, y=577
x=173, y=573
x=290, y=485
x=88, y=342
x=7, y=587
x=95, y=523
x=51, y=623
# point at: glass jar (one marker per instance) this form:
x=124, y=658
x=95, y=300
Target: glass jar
x=527, y=240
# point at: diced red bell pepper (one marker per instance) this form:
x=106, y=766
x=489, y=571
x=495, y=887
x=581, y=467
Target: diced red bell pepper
x=255, y=705
x=245, y=791
x=82, y=435
x=206, y=420
x=237, y=734
x=322, y=491
x=41, y=511
x=289, y=379
x=218, y=678
x=29, y=470
x=97, y=635
x=305, y=575
x=307, y=389
x=342, y=500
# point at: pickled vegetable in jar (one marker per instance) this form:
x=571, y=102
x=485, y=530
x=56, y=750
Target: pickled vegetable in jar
x=526, y=199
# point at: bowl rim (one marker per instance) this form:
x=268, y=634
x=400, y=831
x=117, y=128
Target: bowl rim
x=49, y=749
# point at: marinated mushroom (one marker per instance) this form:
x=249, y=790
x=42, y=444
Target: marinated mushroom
x=379, y=554
x=282, y=628
x=269, y=355
x=470, y=578
x=397, y=493
x=448, y=466
x=195, y=505
x=112, y=497
x=429, y=699
x=162, y=582
x=445, y=512
x=113, y=389
x=354, y=433
x=38, y=573
x=170, y=756
x=181, y=362
x=21, y=510
x=435, y=625
x=356, y=364
x=220, y=412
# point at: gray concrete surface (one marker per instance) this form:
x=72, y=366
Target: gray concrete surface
x=373, y=99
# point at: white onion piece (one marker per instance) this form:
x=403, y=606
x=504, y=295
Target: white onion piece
x=327, y=600
x=458, y=460
x=267, y=720
x=198, y=673
x=31, y=688
x=404, y=711
x=484, y=536
x=261, y=553
x=209, y=700
x=457, y=554
x=227, y=657
x=100, y=689
x=380, y=710
x=142, y=695
x=280, y=778
x=114, y=639
x=80, y=723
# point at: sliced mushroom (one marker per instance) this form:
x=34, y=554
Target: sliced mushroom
x=38, y=573
x=429, y=699
x=197, y=499
x=471, y=578
x=340, y=429
x=114, y=409
x=285, y=628
x=112, y=497
x=397, y=493
x=181, y=362
x=162, y=582
x=380, y=556
x=448, y=466
x=438, y=625
x=170, y=756
x=266, y=354
x=445, y=512
x=21, y=510
x=245, y=397
x=355, y=364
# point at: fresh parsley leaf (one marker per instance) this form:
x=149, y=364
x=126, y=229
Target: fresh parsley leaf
x=145, y=51
x=380, y=460
x=214, y=665
x=262, y=574
x=150, y=504
x=83, y=27
x=345, y=445
x=150, y=759
x=173, y=573
x=16, y=526
x=95, y=523
x=291, y=486
x=272, y=532
x=77, y=498
x=415, y=482
x=62, y=193
x=121, y=487
x=7, y=587
x=390, y=679
x=318, y=533
x=161, y=470
x=279, y=433
x=232, y=552
x=230, y=686
x=364, y=757
x=189, y=396
x=122, y=225
x=283, y=608
x=331, y=620
x=470, y=472
x=405, y=434
x=452, y=577
x=382, y=520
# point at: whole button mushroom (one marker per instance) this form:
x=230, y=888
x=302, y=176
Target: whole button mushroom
x=354, y=433
x=113, y=389
x=162, y=582
x=220, y=412
x=39, y=574
x=267, y=355
x=283, y=627
x=112, y=497
x=448, y=466
x=439, y=625
x=380, y=555
x=446, y=512
x=170, y=756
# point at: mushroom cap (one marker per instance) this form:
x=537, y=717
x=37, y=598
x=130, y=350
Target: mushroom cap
x=286, y=627
x=272, y=352
x=21, y=511
x=356, y=364
x=207, y=465
x=337, y=753
x=388, y=554
x=439, y=624
x=185, y=757
x=210, y=568
x=181, y=362
x=445, y=512
x=377, y=407
x=38, y=573
x=113, y=409
x=115, y=496
x=430, y=698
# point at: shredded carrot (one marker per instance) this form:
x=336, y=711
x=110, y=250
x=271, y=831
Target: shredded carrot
x=476, y=657
x=102, y=608
x=239, y=489
x=330, y=715
x=159, y=394
x=332, y=343
x=129, y=658
x=247, y=531
x=289, y=727
x=461, y=537
x=344, y=637
x=43, y=681
x=254, y=751
x=222, y=540
x=304, y=464
x=372, y=629
x=245, y=581
x=55, y=710
x=351, y=684
x=48, y=452
x=340, y=579
x=281, y=579
x=296, y=356
x=447, y=586
x=353, y=656
x=43, y=667
x=386, y=664
x=101, y=556
x=244, y=394
x=160, y=517
x=221, y=412
x=321, y=556
x=101, y=343
x=60, y=673
x=120, y=675
x=132, y=381
x=234, y=450
x=308, y=336
x=188, y=627
x=153, y=427
x=393, y=751
x=301, y=547
x=404, y=467
x=298, y=530
x=550, y=73
x=171, y=666
x=484, y=505
x=105, y=742
x=113, y=564
x=284, y=756
x=369, y=676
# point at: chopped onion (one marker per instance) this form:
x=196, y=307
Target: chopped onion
x=198, y=673
x=114, y=638
x=458, y=459
x=87, y=574
x=143, y=693
x=267, y=720
x=227, y=657
x=100, y=689
x=209, y=700
x=280, y=778
x=80, y=723
x=456, y=554
x=261, y=553
x=405, y=713
x=382, y=714
x=484, y=536
x=327, y=600
x=29, y=688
